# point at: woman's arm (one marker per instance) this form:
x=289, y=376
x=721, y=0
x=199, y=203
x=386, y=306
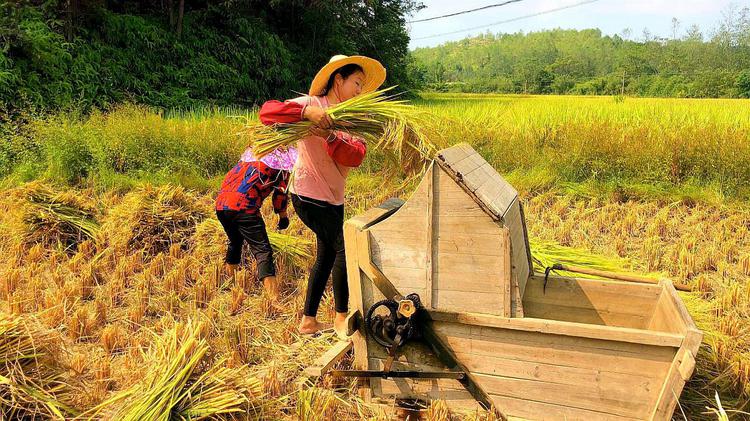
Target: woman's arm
x=280, y=197
x=346, y=149
x=273, y=112
x=292, y=111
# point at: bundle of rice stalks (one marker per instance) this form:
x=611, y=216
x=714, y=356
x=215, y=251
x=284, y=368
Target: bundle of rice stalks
x=211, y=241
x=387, y=123
x=184, y=383
x=30, y=385
x=546, y=253
x=316, y=404
x=152, y=219
x=52, y=218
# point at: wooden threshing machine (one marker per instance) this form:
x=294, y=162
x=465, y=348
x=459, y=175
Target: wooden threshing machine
x=484, y=329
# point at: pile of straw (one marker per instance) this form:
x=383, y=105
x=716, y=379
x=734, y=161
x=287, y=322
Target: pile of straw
x=31, y=385
x=184, y=383
x=51, y=218
x=152, y=219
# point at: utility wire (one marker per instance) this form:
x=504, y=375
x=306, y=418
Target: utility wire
x=466, y=11
x=543, y=12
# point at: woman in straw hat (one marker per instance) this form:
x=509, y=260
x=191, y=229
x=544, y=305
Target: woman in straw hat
x=325, y=157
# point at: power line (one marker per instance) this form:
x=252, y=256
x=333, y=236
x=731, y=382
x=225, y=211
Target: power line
x=543, y=12
x=465, y=11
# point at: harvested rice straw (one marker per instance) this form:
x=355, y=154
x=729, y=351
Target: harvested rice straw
x=389, y=124
x=180, y=387
x=29, y=387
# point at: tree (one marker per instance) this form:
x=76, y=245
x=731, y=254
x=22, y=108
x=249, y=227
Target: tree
x=743, y=83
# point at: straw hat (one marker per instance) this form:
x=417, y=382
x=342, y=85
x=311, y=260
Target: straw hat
x=374, y=73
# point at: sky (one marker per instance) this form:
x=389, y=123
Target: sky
x=611, y=16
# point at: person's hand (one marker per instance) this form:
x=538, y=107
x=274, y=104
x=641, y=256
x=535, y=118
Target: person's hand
x=317, y=131
x=283, y=223
x=318, y=116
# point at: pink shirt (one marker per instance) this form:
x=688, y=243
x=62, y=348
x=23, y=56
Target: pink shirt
x=316, y=174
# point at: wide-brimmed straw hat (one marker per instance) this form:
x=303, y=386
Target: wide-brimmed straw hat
x=374, y=73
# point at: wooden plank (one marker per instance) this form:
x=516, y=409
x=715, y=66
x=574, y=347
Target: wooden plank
x=581, y=396
x=459, y=301
x=611, y=356
x=666, y=316
x=496, y=216
x=471, y=264
x=324, y=363
x=376, y=214
x=607, y=297
x=554, y=327
x=530, y=408
x=480, y=281
x=405, y=279
x=465, y=165
x=519, y=244
x=669, y=394
x=517, y=304
x=373, y=272
x=354, y=322
x=576, y=314
x=477, y=177
x=687, y=365
x=550, y=372
x=398, y=255
x=473, y=244
x=408, y=222
x=505, y=274
x=356, y=301
x=679, y=306
x=481, y=224
x=432, y=226
x=455, y=153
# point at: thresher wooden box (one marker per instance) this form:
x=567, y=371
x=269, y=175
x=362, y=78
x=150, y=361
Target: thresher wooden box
x=581, y=349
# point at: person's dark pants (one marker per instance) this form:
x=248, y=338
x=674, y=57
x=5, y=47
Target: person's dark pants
x=240, y=227
x=327, y=222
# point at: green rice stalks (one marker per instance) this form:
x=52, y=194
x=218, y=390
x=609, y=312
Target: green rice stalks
x=181, y=387
x=387, y=123
x=289, y=246
x=546, y=253
x=29, y=387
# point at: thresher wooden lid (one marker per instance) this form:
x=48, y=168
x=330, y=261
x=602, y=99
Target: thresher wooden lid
x=477, y=176
x=498, y=198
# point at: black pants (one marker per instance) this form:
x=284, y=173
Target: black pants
x=327, y=222
x=241, y=227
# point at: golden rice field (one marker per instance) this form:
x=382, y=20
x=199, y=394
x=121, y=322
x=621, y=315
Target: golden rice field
x=114, y=305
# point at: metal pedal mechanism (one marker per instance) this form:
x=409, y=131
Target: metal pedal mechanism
x=392, y=329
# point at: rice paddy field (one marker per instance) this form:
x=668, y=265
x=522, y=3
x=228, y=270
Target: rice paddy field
x=114, y=304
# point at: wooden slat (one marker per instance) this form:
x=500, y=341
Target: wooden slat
x=356, y=301
x=455, y=153
x=582, y=396
x=473, y=244
x=530, y=408
x=432, y=225
x=600, y=302
x=458, y=301
x=328, y=359
x=405, y=279
x=576, y=314
x=373, y=215
x=554, y=327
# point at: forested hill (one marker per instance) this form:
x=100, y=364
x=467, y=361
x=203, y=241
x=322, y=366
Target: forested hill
x=179, y=53
x=587, y=62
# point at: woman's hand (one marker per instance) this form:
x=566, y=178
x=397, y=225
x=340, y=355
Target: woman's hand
x=319, y=117
x=317, y=131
